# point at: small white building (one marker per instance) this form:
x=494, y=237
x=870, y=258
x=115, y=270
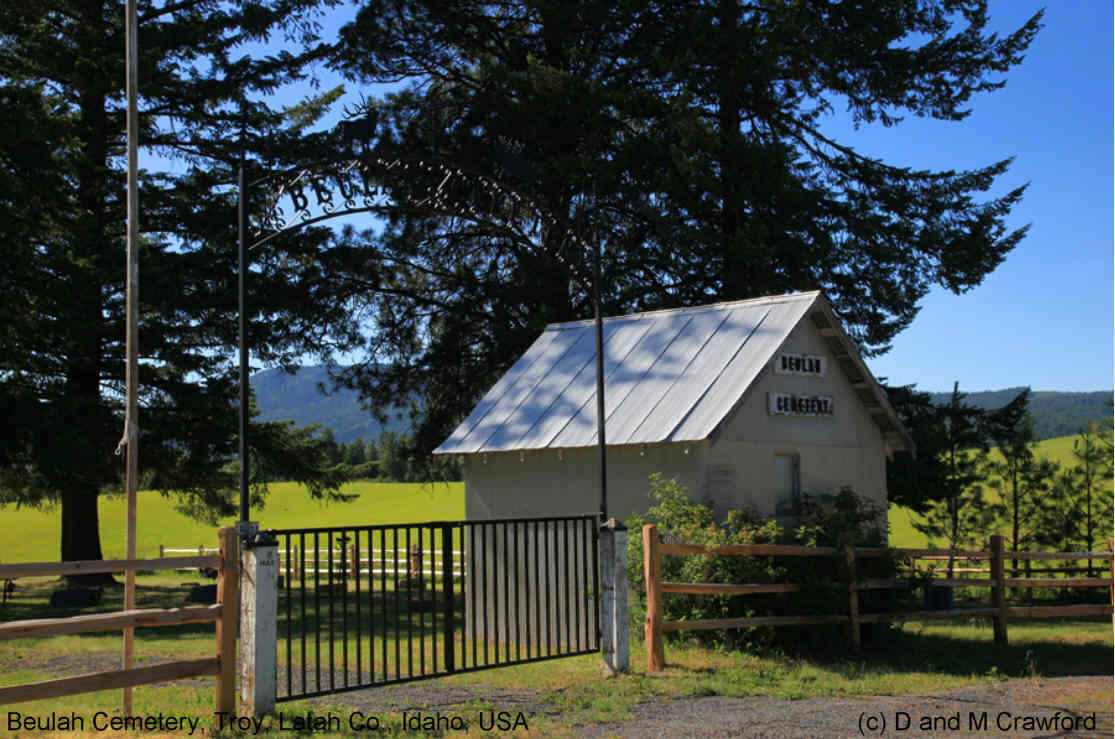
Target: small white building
x=749, y=404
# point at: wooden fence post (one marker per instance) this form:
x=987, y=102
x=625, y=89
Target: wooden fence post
x=998, y=591
x=228, y=595
x=161, y=551
x=853, y=596
x=1111, y=573
x=656, y=657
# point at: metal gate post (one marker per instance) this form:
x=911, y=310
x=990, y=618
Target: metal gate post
x=259, y=605
x=613, y=598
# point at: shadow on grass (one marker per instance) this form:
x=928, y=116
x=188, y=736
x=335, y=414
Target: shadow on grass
x=908, y=651
x=1045, y=648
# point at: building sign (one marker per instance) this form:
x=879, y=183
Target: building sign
x=786, y=404
x=800, y=364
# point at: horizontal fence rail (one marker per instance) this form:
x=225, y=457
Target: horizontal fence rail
x=376, y=605
x=225, y=614
x=999, y=612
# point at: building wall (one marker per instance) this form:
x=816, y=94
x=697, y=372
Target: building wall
x=734, y=469
x=844, y=449
x=544, y=483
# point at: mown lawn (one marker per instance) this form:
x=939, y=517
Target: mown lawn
x=288, y=506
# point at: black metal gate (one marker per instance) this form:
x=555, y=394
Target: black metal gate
x=364, y=606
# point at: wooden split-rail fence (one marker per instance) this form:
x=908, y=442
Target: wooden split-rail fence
x=225, y=614
x=999, y=612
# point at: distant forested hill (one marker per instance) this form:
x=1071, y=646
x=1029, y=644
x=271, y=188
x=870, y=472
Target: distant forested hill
x=1055, y=414
x=281, y=396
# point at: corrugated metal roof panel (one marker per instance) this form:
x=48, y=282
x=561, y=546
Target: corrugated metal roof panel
x=721, y=346
x=670, y=375
x=456, y=440
x=626, y=378
x=508, y=402
x=619, y=338
x=669, y=372
x=725, y=390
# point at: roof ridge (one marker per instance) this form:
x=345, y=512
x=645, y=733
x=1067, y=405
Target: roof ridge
x=723, y=305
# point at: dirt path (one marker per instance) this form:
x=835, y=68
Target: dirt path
x=1010, y=709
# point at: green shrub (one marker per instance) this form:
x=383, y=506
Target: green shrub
x=841, y=518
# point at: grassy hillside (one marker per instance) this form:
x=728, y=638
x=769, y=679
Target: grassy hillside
x=902, y=533
x=287, y=507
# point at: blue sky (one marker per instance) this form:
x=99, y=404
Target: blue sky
x=1044, y=317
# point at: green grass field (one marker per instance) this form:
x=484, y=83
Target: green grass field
x=902, y=532
x=157, y=522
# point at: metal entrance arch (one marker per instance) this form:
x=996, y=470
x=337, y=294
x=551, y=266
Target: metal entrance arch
x=366, y=183
x=368, y=606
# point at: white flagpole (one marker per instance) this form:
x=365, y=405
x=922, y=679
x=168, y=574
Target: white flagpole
x=131, y=430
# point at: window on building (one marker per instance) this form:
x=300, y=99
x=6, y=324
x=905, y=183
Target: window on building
x=787, y=468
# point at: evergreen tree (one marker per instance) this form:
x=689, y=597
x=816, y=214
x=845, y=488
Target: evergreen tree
x=915, y=480
x=1011, y=430
x=355, y=454
x=961, y=513
x=1092, y=477
x=62, y=244
x=694, y=133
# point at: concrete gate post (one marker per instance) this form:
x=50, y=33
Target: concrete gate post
x=613, y=598
x=259, y=604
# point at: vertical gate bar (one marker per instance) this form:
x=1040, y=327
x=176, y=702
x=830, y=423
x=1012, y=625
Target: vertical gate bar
x=471, y=585
x=317, y=613
x=515, y=544
x=549, y=585
x=484, y=603
x=433, y=603
x=359, y=615
x=537, y=597
x=345, y=564
x=383, y=595
x=398, y=626
x=302, y=592
x=506, y=599
x=332, y=673
x=565, y=578
x=289, y=621
x=591, y=522
x=421, y=594
x=577, y=583
x=526, y=582
x=465, y=555
x=410, y=624
x=447, y=591
x=372, y=605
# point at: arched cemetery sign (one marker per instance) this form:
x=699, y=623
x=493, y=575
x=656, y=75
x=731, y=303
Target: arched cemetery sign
x=358, y=181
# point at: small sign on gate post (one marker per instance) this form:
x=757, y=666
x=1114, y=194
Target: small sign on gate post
x=259, y=598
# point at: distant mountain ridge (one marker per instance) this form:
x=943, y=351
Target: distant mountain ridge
x=1055, y=413
x=281, y=396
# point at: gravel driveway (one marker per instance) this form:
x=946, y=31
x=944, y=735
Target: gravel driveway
x=1010, y=709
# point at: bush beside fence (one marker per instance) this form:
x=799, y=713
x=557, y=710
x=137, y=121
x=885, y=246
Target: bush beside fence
x=999, y=612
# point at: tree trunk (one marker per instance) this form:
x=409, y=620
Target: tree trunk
x=81, y=535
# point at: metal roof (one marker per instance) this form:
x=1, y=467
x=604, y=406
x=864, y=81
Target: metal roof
x=670, y=375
